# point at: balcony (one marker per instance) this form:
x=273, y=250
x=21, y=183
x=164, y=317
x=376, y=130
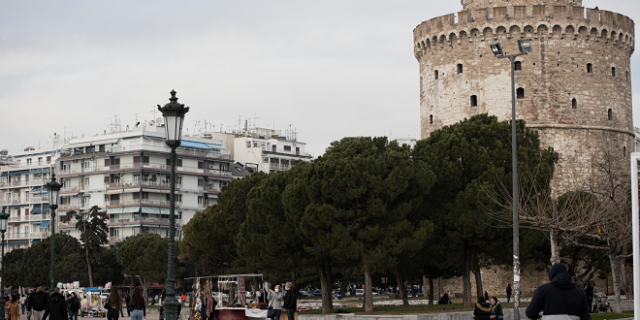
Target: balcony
x=72, y=188
x=38, y=199
x=211, y=188
x=27, y=165
x=151, y=146
x=140, y=220
x=29, y=235
x=70, y=206
x=145, y=165
x=140, y=183
x=138, y=202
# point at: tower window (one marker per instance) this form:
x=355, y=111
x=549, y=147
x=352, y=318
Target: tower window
x=613, y=71
x=624, y=151
x=430, y=119
x=436, y=74
x=520, y=93
x=518, y=66
x=610, y=114
x=589, y=68
x=460, y=69
x=574, y=104
x=474, y=101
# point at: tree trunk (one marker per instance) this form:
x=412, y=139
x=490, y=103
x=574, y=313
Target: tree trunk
x=431, y=290
x=554, y=237
x=346, y=276
x=86, y=252
x=627, y=285
x=617, y=307
x=478, y=277
x=466, y=282
x=413, y=290
x=325, y=284
x=368, y=290
x=402, y=289
x=294, y=279
x=145, y=292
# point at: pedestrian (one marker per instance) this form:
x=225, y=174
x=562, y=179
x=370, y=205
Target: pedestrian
x=486, y=296
x=496, y=309
x=594, y=294
x=275, y=302
x=482, y=310
x=37, y=303
x=138, y=307
x=161, y=302
x=113, y=304
x=56, y=307
x=13, y=308
x=560, y=298
x=509, y=293
x=73, y=306
x=127, y=301
x=23, y=302
x=290, y=300
x=589, y=292
x=203, y=309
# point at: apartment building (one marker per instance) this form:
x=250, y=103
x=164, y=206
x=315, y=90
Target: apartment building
x=266, y=150
x=24, y=196
x=127, y=174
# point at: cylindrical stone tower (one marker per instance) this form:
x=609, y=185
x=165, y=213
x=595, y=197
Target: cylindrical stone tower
x=575, y=87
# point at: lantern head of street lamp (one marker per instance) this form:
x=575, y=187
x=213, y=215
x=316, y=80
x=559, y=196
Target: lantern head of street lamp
x=3, y=221
x=524, y=45
x=173, y=113
x=54, y=191
x=496, y=48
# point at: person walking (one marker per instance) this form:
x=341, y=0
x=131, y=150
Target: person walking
x=496, y=309
x=275, y=302
x=113, y=304
x=290, y=300
x=482, y=309
x=56, y=307
x=23, y=302
x=13, y=308
x=127, y=301
x=559, y=299
x=138, y=307
x=37, y=303
x=589, y=292
x=73, y=306
x=509, y=291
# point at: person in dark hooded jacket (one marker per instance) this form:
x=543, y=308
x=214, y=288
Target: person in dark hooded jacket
x=482, y=310
x=560, y=299
x=290, y=300
x=56, y=307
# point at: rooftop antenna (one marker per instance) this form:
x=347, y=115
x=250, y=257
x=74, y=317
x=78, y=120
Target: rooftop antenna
x=255, y=117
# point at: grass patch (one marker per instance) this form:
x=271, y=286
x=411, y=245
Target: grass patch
x=610, y=315
x=422, y=309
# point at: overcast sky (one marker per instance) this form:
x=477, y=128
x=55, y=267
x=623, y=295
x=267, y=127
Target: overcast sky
x=328, y=68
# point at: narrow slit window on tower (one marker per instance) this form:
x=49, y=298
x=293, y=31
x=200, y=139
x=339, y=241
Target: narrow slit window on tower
x=520, y=93
x=589, y=68
x=610, y=114
x=474, y=101
x=613, y=71
x=430, y=119
x=518, y=66
x=460, y=68
x=574, y=104
x=436, y=74
x=624, y=151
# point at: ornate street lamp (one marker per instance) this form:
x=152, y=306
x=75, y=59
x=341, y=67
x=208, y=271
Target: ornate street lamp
x=525, y=47
x=3, y=228
x=54, y=191
x=173, y=113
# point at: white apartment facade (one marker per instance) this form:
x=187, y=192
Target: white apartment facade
x=24, y=196
x=127, y=175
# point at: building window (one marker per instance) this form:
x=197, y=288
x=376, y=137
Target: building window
x=273, y=148
x=610, y=114
x=520, y=93
x=29, y=162
x=436, y=72
x=474, y=101
x=287, y=148
x=613, y=71
x=624, y=151
x=574, y=104
x=589, y=68
x=86, y=181
x=200, y=182
x=518, y=66
x=200, y=200
x=460, y=68
x=430, y=119
x=87, y=164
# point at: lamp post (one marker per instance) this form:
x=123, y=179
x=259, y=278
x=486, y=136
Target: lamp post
x=3, y=228
x=54, y=191
x=173, y=113
x=525, y=47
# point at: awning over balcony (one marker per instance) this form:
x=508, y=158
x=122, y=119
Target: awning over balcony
x=44, y=225
x=17, y=242
x=123, y=210
x=38, y=191
x=154, y=138
x=15, y=173
x=73, y=194
x=191, y=144
x=215, y=146
x=35, y=240
x=40, y=209
x=35, y=222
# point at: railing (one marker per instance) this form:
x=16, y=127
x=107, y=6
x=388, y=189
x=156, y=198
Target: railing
x=116, y=238
x=29, y=235
x=144, y=220
x=72, y=205
x=38, y=199
x=212, y=188
x=18, y=218
x=138, y=201
x=13, y=201
x=27, y=165
x=141, y=183
x=144, y=165
x=161, y=147
x=72, y=188
x=19, y=235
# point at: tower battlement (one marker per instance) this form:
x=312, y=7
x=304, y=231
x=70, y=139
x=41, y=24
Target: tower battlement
x=474, y=4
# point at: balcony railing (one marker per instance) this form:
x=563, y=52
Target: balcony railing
x=71, y=205
x=29, y=235
x=141, y=183
x=144, y=165
x=38, y=199
x=27, y=165
x=144, y=220
x=139, y=202
x=78, y=187
x=211, y=188
x=160, y=147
